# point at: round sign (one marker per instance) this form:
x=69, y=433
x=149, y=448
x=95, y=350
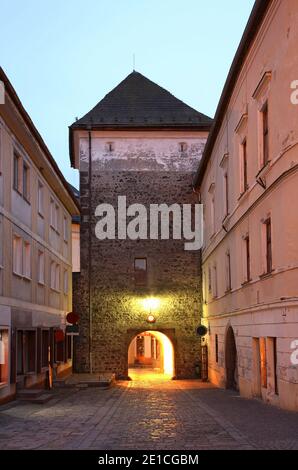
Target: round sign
x=72, y=318
x=59, y=336
x=202, y=330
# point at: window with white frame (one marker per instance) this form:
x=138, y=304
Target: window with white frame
x=57, y=277
x=26, y=181
x=54, y=215
x=228, y=271
x=57, y=217
x=17, y=172
x=65, y=281
x=212, y=208
x=40, y=198
x=27, y=260
x=65, y=229
x=40, y=267
x=214, y=288
x=17, y=255
x=53, y=275
x=52, y=212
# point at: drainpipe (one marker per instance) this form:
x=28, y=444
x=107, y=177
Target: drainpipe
x=90, y=249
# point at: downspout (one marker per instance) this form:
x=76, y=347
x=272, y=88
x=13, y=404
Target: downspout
x=90, y=249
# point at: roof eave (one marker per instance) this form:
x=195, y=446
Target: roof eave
x=17, y=102
x=203, y=127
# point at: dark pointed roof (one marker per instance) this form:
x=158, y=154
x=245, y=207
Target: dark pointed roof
x=138, y=102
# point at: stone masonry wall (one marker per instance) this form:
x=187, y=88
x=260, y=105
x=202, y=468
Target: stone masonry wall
x=117, y=308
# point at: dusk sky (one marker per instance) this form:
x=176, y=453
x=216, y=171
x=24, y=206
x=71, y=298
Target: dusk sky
x=63, y=57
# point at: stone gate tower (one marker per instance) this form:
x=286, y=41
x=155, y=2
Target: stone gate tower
x=143, y=143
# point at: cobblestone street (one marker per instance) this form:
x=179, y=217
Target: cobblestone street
x=149, y=412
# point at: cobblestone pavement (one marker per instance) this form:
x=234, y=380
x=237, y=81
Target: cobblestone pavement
x=149, y=412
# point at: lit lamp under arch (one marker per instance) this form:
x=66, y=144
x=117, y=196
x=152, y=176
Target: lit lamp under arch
x=150, y=304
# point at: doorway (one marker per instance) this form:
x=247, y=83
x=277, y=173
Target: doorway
x=151, y=353
x=231, y=361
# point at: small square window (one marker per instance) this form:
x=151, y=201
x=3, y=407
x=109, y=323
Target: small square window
x=182, y=147
x=140, y=269
x=110, y=146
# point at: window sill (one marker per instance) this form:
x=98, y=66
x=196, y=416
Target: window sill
x=264, y=170
x=265, y=275
x=245, y=283
x=55, y=230
x=27, y=278
x=17, y=274
x=26, y=200
x=228, y=291
x=243, y=194
x=41, y=283
x=55, y=290
x=3, y=385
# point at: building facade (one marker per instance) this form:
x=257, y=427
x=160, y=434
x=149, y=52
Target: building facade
x=141, y=143
x=36, y=206
x=248, y=181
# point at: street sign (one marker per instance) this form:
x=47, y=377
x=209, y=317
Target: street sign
x=72, y=330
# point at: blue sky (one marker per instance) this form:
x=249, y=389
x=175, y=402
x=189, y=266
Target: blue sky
x=62, y=57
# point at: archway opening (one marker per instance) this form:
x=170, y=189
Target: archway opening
x=151, y=354
x=231, y=360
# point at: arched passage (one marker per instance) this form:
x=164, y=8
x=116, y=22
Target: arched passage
x=231, y=360
x=153, y=351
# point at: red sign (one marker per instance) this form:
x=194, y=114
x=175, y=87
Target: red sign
x=59, y=336
x=72, y=318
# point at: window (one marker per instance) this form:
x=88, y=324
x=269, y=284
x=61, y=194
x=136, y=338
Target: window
x=17, y=255
x=247, y=259
x=228, y=271
x=110, y=146
x=40, y=267
x=182, y=147
x=27, y=260
x=54, y=215
x=57, y=277
x=26, y=182
x=65, y=229
x=268, y=246
x=53, y=275
x=140, y=269
x=265, y=130
x=3, y=356
x=65, y=281
x=40, y=198
x=244, y=178
x=17, y=161
x=212, y=208
x=45, y=344
x=209, y=280
x=226, y=193
x=52, y=212
x=57, y=217
x=215, y=281
x=216, y=348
